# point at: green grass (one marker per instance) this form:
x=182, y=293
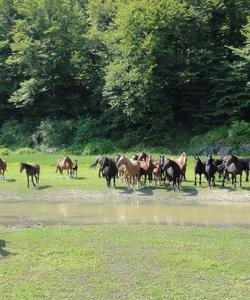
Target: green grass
x=125, y=262
x=87, y=180
x=129, y=262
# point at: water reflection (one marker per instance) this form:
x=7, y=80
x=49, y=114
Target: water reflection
x=131, y=212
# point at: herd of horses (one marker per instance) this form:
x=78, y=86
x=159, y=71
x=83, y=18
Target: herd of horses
x=171, y=169
x=164, y=168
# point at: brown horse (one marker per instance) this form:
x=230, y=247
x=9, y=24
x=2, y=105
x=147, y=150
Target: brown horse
x=157, y=173
x=99, y=162
x=31, y=171
x=3, y=168
x=121, y=169
x=132, y=170
x=182, y=162
x=147, y=168
x=65, y=164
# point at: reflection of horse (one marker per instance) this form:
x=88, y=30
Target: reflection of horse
x=3, y=167
x=65, y=164
x=132, y=170
x=33, y=171
x=182, y=162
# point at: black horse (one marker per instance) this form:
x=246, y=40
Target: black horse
x=234, y=167
x=33, y=171
x=173, y=172
x=210, y=169
x=109, y=170
x=199, y=169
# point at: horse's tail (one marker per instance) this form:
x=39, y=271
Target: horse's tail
x=95, y=163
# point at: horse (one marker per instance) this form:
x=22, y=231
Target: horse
x=173, y=172
x=65, y=164
x=74, y=170
x=199, y=168
x=132, y=170
x=109, y=170
x=33, y=171
x=121, y=170
x=182, y=162
x=3, y=168
x=142, y=156
x=210, y=169
x=245, y=162
x=147, y=168
x=234, y=167
x=157, y=171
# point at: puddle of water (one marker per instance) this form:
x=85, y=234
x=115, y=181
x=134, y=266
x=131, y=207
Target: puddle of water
x=132, y=212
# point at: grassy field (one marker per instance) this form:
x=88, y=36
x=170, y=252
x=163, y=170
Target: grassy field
x=87, y=178
x=125, y=262
x=119, y=261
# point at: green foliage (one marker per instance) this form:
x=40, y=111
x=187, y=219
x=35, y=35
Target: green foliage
x=123, y=70
x=25, y=150
x=4, y=151
x=239, y=133
x=14, y=133
x=100, y=147
x=56, y=132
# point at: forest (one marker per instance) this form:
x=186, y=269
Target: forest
x=99, y=74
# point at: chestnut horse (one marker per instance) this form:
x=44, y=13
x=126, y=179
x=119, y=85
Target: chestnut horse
x=121, y=169
x=3, y=167
x=65, y=164
x=132, y=170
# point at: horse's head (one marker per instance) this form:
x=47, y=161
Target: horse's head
x=121, y=161
x=143, y=156
x=162, y=159
x=22, y=167
x=117, y=158
x=105, y=162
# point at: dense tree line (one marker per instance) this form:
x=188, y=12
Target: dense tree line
x=145, y=70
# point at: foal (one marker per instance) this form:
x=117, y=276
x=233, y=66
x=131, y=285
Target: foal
x=33, y=171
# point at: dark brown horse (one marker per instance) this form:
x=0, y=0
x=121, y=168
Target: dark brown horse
x=65, y=164
x=3, y=168
x=31, y=171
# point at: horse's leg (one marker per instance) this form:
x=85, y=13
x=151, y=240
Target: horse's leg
x=32, y=180
x=114, y=180
x=240, y=178
x=28, y=181
x=36, y=179
x=194, y=178
x=247, y=175
x=200, y=179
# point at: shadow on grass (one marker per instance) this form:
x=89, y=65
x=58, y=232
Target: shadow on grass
x=124, y=190
x=11, y=180
x=189, y=191
x=2, y=251
x=80, y=178
x=146, y=190
x=44, y=187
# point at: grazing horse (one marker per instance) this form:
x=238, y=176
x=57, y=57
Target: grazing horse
x=210, y=169
x=132, y=170
x=199, y=168
x=3, y=167
x=182, y=162
x=245, y=162
x=33, y=171
x=109, y=170
x=65, y=164
x=173, y=172
x=234, y=167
